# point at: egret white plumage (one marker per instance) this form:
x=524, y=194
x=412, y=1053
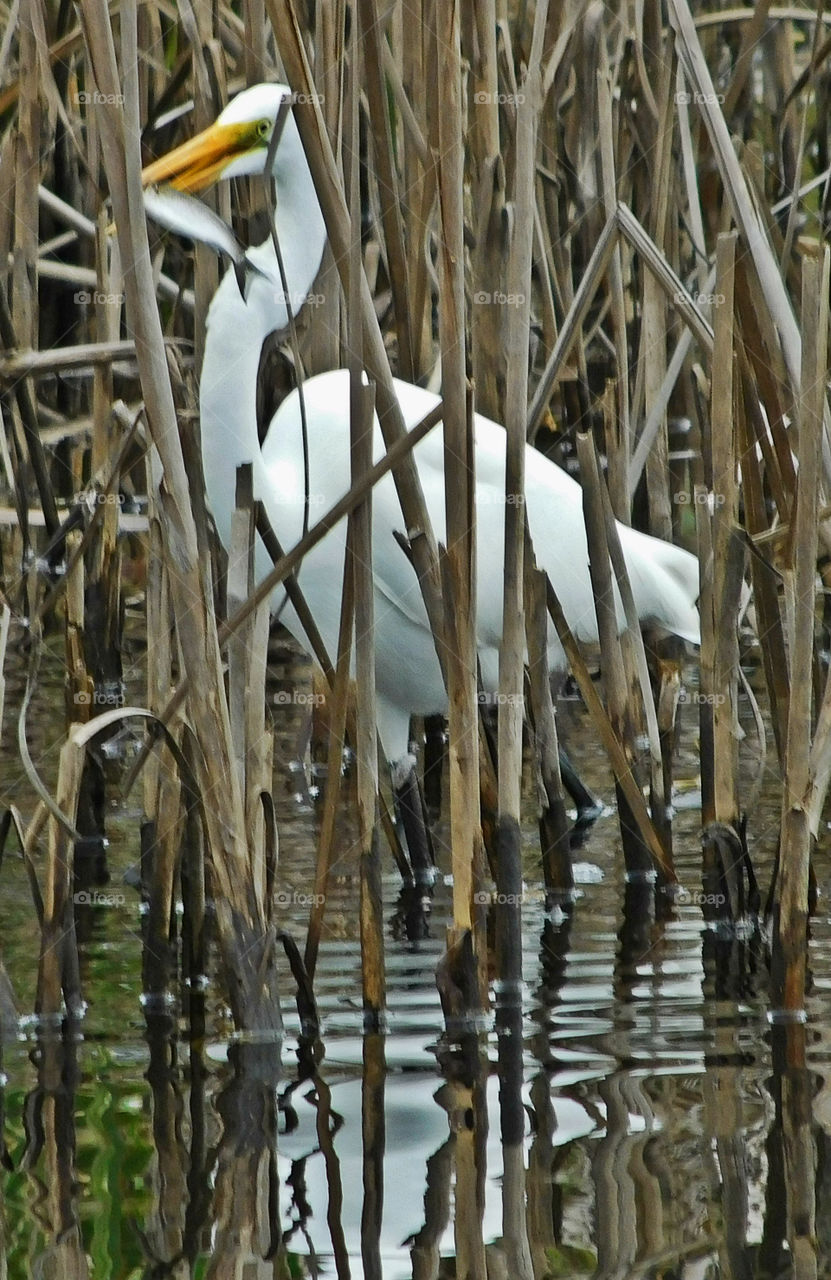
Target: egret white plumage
x=664, y=578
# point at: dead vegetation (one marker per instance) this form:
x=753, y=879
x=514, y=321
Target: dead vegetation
x=603, y=229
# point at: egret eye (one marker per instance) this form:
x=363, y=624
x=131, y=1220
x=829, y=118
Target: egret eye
x=263, y=128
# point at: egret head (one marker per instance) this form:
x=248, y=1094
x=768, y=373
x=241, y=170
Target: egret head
x=236, y=145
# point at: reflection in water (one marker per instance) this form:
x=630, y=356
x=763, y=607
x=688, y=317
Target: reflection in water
x=629, y=1112
x=50, y=1156
x=637, y=1127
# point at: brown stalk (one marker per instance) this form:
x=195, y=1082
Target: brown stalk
x=162, y=827
x=611, y=743
x=637, y=675
x=744, y=211
x=359, y=558
x=616, y=682
x=790, y=944
x=330, y=194
x=246, y=944
x=568, y=335
x=58, y=973
x=339, y=720
x=619, y=439
x=553, y=823
x=721, y=589
x=29, y=363
x=459, y=560
x=247, y=657
x=511, y=663
x=373, y=42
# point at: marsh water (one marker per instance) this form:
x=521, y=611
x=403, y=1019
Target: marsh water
x=638, y=1115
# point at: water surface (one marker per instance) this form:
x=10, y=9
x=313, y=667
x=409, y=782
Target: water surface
x=651, y=1101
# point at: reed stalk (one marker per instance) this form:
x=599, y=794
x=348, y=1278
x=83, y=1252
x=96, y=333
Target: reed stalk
x=59, y=983
x=511, y=662
x=721, y=589
x=246, y=942
x=459, y=560
x=613, y=311
x=330, y=194
x=553, y=824
x=359, y=541
x=790, y=948
x=616, y=680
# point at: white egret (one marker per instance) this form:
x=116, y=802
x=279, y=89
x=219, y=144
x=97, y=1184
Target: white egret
x=408, y=678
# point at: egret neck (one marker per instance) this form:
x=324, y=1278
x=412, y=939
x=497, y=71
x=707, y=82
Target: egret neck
x=238, y=326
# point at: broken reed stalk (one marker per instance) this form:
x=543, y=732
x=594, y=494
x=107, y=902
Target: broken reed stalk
x=637, y=674
x=790, y=941
x=78, y=688
x=26, y=404
x=59, y=981
x=359, y=541
x=246, y=942
x=329, y=190
x=611, y=743
x=777, y=302
x=459, y=559
x=615, y=680
x=571, y=327
x=553, y=823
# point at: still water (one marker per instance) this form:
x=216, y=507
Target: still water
x=657, y=1129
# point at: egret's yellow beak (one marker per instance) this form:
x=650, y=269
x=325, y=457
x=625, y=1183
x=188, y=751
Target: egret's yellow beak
x=201, y=161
